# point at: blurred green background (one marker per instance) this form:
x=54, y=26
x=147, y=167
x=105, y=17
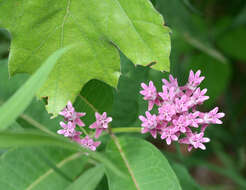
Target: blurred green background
x=209, y=35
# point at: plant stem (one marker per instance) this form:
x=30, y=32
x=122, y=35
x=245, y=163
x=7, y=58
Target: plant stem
x=84, y=131
x=126, y=130
x=36, y=124
x=178, y=150
x=123, y=156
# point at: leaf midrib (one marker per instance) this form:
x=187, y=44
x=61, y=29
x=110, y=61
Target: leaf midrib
x=59, y=165
x=122, y=154
x=114, y=138
x=117, y=143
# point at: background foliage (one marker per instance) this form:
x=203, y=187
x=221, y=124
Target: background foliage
x=207, y=35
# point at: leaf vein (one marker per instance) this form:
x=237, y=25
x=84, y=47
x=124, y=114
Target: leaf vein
x=117, y=143
x=59, y=165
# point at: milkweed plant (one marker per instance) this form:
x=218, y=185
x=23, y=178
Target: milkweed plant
x=100, y=54
x=178, y=117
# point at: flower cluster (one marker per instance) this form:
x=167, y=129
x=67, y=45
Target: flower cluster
x=178, y=118
x=72, y=120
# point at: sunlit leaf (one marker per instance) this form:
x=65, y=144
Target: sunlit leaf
x=40, y=27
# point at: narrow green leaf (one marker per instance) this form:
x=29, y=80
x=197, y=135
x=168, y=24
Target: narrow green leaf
x=30, y=139
x=35, y=115
x=22, y=98
x=88, y=180
x=25, y=169
x=146, y=168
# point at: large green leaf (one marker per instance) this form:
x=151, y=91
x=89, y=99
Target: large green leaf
x=27, y=169
x=96, y=96
x=101, y=99
x=146, y=168
x=15, y=105
x=40, y=27
x=88, y=180
x=129, y=102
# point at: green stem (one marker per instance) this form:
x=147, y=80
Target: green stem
x=126, y=130
x=84, y=131
x=178, y=150
x=37, y=124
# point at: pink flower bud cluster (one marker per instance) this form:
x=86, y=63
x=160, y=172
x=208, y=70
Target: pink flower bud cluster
x=72, y=120
x=178, y=118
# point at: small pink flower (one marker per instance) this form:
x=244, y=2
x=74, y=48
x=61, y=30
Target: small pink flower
x=149, y=124
x=182, y=104
x=101, y=123
x=87, y=142
x=181, y=123
x=173, y=82
x=68, y=129
x=150, y=94
x=195, y=141
x=70, y=114
x=194, y=80
x=166, y=112
x=211, y=117
x=193, y=119
x=177, y=111
x=203, y=127
x=68, y=111
x=73, y=118
x=169, y=133
x=76, y=137
x=167, y=94
x=198, y=97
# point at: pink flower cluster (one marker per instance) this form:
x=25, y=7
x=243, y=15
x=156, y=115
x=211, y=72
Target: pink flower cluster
x=72, y=119
x=178, y=118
